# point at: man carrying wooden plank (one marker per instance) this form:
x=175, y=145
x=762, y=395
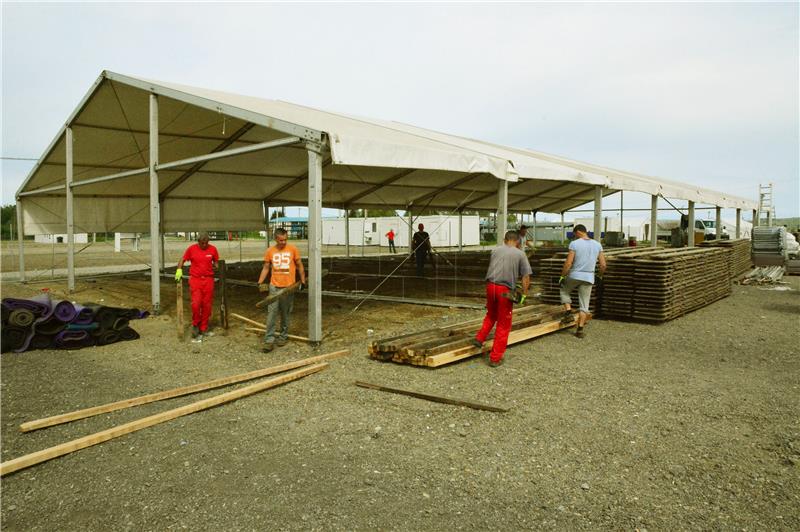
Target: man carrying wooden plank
x=507, y=265
x=578, y=273
x=283, y=261
x=204, y=259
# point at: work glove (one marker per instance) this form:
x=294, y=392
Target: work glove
x=178, y=275
x=561, y=281
x=263, y=287
x=522, y=298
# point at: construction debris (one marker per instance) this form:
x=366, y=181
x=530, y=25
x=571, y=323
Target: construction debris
x=444, y=345
x=430, y=397
x=764, y=275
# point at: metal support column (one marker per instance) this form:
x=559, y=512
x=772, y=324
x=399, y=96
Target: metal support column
x=533, y=236
x=718, y=222
x=347, y=232
x=654, y=220
x=162, y=239
x=502, y=210
x=460, y=231
x=563, y=228
x=598, y=212
x=267, y=236
x=621, y=214
x=755, y=218
x=155, y=212
x=738, y=223
x=690, y=226
x=314, y=277
x=70, y=212
x=410, y=230
x=21, y=241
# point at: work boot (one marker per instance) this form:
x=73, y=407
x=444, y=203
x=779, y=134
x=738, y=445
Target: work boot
x=579, y=332
x=567, y=318
x=268, y=347
x=477, y=343
x=280, y=342
x=195, y=331
x=495, y=363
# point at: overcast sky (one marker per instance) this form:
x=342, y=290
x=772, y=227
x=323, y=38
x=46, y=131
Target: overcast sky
x=702, y=93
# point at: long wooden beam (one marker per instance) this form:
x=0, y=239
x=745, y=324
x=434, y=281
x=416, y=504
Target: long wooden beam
x=430, y=397
x=38, y=457
x=175, y=392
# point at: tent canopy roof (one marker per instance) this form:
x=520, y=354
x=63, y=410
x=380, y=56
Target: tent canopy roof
x=366, y=163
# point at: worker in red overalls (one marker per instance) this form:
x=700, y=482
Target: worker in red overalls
x=204, y=259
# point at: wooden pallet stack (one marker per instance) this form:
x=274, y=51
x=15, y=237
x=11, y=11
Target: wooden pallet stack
x=653, y=284
x=444, y=345
x=740, y=253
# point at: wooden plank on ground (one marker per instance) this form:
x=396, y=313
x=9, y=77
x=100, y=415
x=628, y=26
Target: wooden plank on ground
x=261, y=330
x=176, y=392
x=38, y=457
x=515, y=336
x=430, y=397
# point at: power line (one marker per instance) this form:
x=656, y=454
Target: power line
x=18, y=159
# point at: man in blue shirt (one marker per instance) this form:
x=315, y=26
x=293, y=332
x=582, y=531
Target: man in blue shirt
x=578, y=272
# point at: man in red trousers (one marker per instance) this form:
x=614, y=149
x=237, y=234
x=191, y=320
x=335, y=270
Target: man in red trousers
x=204, y=259
x=507, y=265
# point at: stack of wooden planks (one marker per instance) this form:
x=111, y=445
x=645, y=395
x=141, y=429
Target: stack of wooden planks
x=652, y=284
x=444, y=345
x=740, y=253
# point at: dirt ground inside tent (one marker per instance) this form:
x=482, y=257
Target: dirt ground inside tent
x=692, y=424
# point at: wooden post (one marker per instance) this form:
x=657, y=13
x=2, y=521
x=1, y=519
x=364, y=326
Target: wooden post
x=179, y=308
x=223, y=304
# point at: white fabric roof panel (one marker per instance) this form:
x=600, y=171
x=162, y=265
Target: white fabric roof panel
x=370, y=163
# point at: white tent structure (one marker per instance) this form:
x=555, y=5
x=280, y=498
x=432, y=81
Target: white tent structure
x=147, y=156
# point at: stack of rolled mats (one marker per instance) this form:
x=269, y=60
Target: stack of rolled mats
x=44, y=323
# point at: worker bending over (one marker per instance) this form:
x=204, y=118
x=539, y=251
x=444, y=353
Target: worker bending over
x=204, y=259
x=578, y=272
x=507, y=265
x=283, y=261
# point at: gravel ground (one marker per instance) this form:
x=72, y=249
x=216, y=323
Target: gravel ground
x=688, y=425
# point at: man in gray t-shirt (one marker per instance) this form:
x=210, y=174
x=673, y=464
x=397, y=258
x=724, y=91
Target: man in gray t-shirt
x=507, y=265
x=578, y=273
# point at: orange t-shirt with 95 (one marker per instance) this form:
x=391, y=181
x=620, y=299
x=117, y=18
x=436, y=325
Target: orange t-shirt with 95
x=283, y=265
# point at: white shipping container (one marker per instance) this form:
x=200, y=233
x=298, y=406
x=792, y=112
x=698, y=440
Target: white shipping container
x=370, y=231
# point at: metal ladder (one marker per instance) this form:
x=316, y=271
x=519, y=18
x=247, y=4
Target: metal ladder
x=765, y=204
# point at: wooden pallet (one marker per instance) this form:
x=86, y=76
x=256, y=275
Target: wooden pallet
x=445, y=345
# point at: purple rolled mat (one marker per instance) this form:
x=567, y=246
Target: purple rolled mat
x=64, y=311
x=45, y=301
x=26, y=342
x=84, y=315
x=73, y=340
x=39, y=309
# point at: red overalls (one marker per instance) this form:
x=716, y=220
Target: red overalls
x=498, y=310
x=201, y=282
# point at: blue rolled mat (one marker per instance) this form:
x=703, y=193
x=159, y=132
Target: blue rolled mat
x=83, y=326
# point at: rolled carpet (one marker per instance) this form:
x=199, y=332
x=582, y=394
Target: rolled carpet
x=120, y=323
x=128, y=334
x=84, y=314
x=64, y=311
x=82, y=326
x=13, y=338
x=73, y=340
x=26, y=342
x=107, y=336
x=49, y=326
x=21, y=317
x=35, y=305
x=6, y=312
x=41, y=341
